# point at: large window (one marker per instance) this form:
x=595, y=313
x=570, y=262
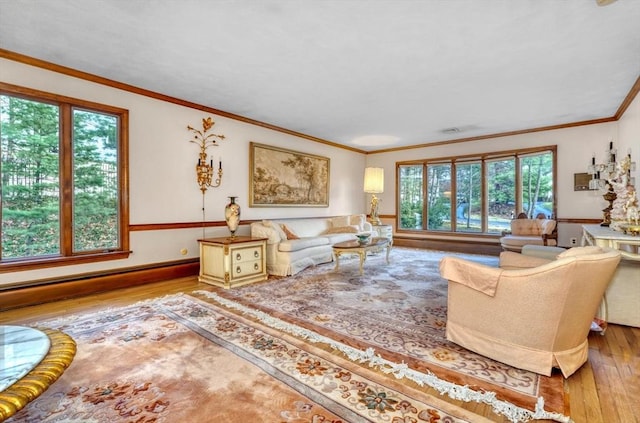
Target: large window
x=62, y=180
x=476, y=194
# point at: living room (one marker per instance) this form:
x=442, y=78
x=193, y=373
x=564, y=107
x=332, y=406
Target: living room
x=161, y=156
x=168, y=213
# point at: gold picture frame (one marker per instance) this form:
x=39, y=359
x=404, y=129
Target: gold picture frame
x=285, y=178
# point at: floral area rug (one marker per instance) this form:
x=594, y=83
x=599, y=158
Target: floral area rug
x=182, y=359
x=399, y=310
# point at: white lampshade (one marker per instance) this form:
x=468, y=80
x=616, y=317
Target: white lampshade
x=374, y=180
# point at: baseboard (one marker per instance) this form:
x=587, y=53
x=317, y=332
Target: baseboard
x=489, y=248
x=53, y=290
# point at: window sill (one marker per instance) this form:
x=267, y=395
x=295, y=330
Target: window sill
x=46, y=262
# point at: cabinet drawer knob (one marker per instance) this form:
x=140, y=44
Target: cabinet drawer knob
x=238, y=270
x=238, y=256
x=255, y=266
x=256, y=254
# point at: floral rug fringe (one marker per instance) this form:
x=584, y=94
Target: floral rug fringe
x=399, y=370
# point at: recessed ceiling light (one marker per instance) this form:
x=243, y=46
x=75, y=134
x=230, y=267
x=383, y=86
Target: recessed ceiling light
x=376, y=140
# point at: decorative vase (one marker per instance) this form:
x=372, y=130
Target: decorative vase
x=232, y=215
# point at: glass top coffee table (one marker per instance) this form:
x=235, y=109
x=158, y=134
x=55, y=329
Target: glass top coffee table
x=361, y=249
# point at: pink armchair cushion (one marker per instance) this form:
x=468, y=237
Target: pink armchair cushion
x=534, y=227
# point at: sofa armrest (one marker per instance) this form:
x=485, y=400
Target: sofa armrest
x=547, y=237
x=258, y=230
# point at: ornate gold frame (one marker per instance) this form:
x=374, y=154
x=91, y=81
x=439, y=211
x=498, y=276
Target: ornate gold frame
x=285, y=178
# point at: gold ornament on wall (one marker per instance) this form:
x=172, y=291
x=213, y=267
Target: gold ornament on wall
x=205, y=169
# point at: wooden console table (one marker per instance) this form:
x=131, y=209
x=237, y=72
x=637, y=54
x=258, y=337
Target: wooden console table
x=232, y=261
x=621, y=303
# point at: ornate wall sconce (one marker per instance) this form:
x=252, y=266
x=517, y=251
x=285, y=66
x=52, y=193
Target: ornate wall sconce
x=205, y=171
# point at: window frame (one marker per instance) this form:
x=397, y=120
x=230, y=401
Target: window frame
x=483, y=159
x=66, y=256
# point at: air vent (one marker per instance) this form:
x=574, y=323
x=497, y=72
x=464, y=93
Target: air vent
x=451, y=131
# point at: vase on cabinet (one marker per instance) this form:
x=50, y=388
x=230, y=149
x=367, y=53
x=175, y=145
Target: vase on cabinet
x=232, y=215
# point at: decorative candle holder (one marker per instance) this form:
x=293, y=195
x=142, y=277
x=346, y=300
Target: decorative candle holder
x=204, y=170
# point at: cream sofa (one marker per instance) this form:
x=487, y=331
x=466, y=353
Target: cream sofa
x=530, y=313
x=295, y=244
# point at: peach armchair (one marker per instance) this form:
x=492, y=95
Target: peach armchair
x=524, y=231
x=532, y=318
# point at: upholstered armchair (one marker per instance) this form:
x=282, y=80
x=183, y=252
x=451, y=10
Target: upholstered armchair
x=524, y=231
x=530, y=313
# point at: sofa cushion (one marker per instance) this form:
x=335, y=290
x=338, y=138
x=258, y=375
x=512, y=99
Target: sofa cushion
x=302, y=243
x=307, y=227
x=259, y=230
x=335, y=238
x=520, y=241
x=351, y=229
x=524, y=227
x=340, y=221
x=275, y=226
x=358, y=220
x=288, y=232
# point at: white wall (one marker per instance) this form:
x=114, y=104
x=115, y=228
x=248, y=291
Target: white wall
x=163, y=186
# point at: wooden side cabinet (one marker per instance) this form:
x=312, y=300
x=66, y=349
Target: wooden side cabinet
x=228, y=262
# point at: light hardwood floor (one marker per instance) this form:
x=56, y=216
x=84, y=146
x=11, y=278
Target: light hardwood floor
x=605, y=390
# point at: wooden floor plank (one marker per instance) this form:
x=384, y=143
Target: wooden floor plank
x=607, y=402
x=592, y=407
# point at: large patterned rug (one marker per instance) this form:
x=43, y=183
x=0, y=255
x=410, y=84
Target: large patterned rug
x=398, y=312
x=182, y=359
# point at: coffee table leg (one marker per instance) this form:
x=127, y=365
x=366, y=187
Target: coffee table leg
x=337, y=256
x=388, y=249
x=363, y=257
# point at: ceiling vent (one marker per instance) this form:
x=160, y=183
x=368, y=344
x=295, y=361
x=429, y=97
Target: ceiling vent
x=450, y=131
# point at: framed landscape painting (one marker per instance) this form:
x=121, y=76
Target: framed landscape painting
x=284, y=178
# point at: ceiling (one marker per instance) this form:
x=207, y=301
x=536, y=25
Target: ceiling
x=400, y=72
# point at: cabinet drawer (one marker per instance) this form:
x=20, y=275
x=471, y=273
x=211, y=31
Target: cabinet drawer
x=241, y=255
x=246, y=268
x=230, y=262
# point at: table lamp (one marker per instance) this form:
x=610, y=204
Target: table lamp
x=374, y=184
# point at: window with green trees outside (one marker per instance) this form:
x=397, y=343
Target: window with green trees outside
x=60, y=179
x=476, y=194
